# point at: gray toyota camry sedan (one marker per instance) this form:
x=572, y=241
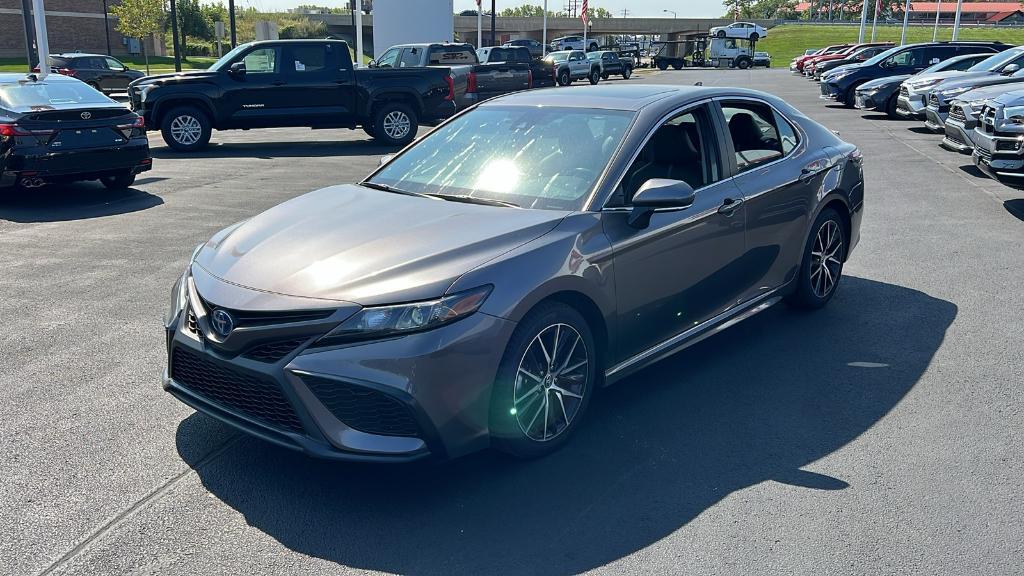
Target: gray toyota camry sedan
x=480, y=287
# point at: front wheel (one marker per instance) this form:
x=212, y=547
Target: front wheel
x=890, y=107
x=593, y=46
x=186, y=129
x=395, y=124
x=627, y=73
x=822, y=264
x=662, y=65
x=721, y=33
x=677, y=66
x=563, y=78
x=119, y=181
x=743, y=64
x=595, y=77
x=544, y=382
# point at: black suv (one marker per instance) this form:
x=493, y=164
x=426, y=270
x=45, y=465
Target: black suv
x=104, y=73
x=280, y=83
x=842, y=85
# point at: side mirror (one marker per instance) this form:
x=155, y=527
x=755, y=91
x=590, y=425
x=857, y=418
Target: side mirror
x=237, y=69
x=1009, y=69
x=659, y=193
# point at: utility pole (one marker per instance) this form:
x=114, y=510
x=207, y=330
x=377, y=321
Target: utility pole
x=174, y=37
x=494, y=25
x=30, y=36
x=106, y=27
x=625, y=12
x=231, y=21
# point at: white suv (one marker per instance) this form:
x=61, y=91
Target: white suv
x=572, y=43
x=745, y=30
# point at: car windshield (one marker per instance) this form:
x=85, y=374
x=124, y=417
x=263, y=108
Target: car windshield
x=996, y=61
x=533, y=157
x=558, y=56
x=594, y=55
x=30, y=94
x=226, y=59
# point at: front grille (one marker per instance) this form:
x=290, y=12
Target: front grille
x=953, y=137
x=274, y=351
x=984, y=154
x=957, y=113
x=363, y=408
x=258, y=398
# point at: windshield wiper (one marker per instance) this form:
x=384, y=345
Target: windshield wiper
x=392, y=189
x=474, y=200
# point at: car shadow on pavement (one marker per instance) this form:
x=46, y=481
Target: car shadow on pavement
x=1015, y=207
x=76, y=201
x=756, y=403
x=271, y=150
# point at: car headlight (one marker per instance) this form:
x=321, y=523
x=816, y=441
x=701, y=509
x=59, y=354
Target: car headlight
x=947, y=94
x=177, y=301
x=383, y=321
x=837, y=76
x=1014, y=113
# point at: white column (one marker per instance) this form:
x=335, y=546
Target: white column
x=956, y=19
x=863, y=21
x=935, y=30
x=42, y=43
x=544, y=32
x=874, y=23
x=906, y=21
x=479, y=26
x=359, y=33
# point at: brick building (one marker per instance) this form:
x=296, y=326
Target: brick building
x=71, y=25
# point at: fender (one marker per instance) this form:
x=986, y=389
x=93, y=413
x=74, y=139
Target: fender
x=167, y=101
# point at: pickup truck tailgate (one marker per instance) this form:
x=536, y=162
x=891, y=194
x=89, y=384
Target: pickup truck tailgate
x=501, y=78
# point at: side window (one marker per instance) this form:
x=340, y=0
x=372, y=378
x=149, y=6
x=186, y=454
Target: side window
x=307, y=60
x=410, y=58
x=96, y=63
x=937, y=54
x=261, y=61
x=787, y=134
x=753, y=132
x=681, y=149
x=967, y=63
x=113, y=64
x=388, y=59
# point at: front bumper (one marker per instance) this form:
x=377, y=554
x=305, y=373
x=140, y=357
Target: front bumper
x=830, y=91
x=866, y=101
x=935, y=117
x=958, y=135
x=419, y=396
x=912, y=106
x=996, y=162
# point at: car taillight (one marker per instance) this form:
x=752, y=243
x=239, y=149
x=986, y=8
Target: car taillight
x=140, y=122
x=12, y=130
x=451, y=88
x=67, y=71
x=529, y=78
x=471, y=83
x=35, y=69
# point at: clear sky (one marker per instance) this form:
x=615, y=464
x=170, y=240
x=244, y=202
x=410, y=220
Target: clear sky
x=651, y=8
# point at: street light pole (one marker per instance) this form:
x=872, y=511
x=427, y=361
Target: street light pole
x=674, y=14
x=106, y=27
x=174, y=37
x=956, y=19
x=494, y=37
x=906, y=20
x=30, y=36
x=231, y=21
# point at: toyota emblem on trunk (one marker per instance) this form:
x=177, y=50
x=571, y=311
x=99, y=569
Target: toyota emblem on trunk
x=222, y=323
x=86, y=115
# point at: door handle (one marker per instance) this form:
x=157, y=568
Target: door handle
x=729, y=206
x=278, y=83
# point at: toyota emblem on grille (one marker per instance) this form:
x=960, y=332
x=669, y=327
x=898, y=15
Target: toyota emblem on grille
x=222, y=323
x=86, y=115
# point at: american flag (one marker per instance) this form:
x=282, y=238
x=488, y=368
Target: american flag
x=583, y=13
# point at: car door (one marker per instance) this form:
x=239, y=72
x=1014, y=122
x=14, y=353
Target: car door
x=610, y=64
x=117, y=77
x=260, y=97
x=681, y=269
x=579, y=66
x=92, y=70
x=317, y=89
x=779, y=175
x=910, y=61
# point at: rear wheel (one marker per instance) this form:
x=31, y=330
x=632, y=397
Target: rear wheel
x=595, y=76
x=119, y=181
x=395, y=124
x=677, y=65
x=626, y=73
x=186, y=129
x=604, y=76
x=754, y=37
x=662, y=65
x=822, y=264
x=743, y=63
x=544, y=383
x=95, y=86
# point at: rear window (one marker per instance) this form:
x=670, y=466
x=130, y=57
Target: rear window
x=451, y=55
x=49, y=94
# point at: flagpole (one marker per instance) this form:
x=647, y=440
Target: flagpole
x=863, y=21
x=906, y=20
x=935, y=30
x=544, y=32
x=874, y=23
x=956, y=19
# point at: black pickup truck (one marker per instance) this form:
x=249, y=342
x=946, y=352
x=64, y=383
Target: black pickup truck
x=281, y=83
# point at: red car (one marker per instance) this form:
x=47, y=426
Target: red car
x=797, y=65
x=811, y=63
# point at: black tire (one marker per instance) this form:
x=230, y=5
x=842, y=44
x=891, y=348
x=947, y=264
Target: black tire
x=754, y=37
x=677, y=66
x=809, y=293
x=627, y=72
x=890, y=107
x=564, y=79
x=850, y=98
x=743, y=63
x=394, y=124
x=118, y=182
x=593, y=46
x=662, y=65
x=595, y=76
x=604, y=76
x=721, y=33
x=186, y=129
x=507, y=425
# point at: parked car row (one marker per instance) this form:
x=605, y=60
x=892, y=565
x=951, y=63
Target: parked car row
x=970, y=92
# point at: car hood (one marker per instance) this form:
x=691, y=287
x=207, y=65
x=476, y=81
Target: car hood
x=1013, y=98
x=944, y=75
x=176, y=78
x=976, y=82
x=880, y=82
x=355, y=244
x=985, y=93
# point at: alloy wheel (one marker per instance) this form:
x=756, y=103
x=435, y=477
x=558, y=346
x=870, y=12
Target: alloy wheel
x=825, y=263
x=550, y=382
x=186, y=130
x=397, y=124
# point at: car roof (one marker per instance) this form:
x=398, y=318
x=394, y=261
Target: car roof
x=632, y=97
x=78, y=55
x=17, y=77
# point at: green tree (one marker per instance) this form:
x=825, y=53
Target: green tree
x=194, y=22
x=599, y=13
x=738, y=8
x=138, y=19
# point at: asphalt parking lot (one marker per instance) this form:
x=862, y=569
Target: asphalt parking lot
x=878, y=436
